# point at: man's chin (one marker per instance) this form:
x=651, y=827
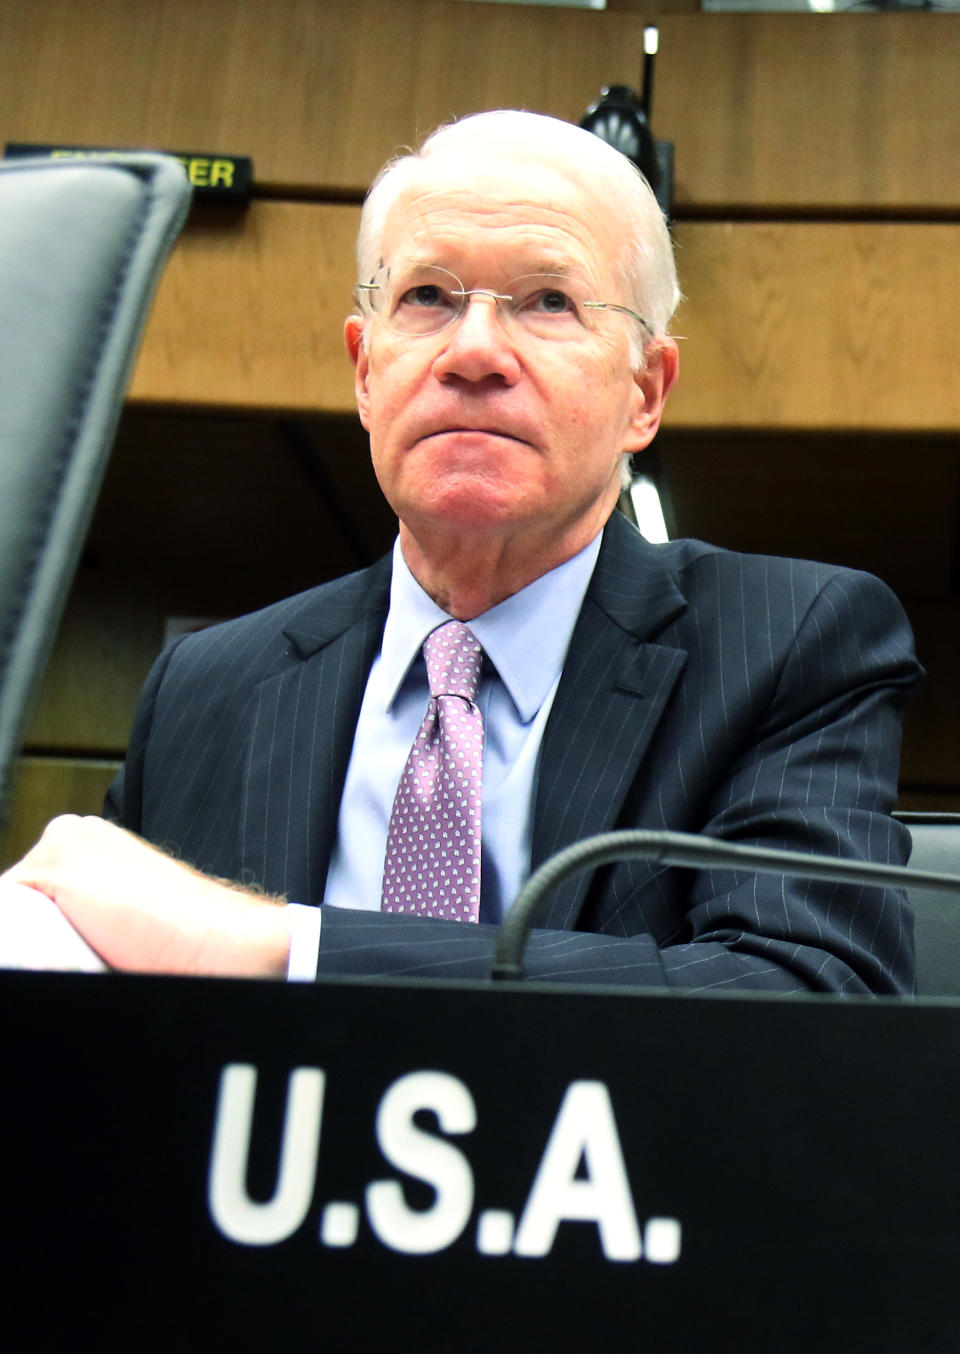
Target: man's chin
x=467, y=503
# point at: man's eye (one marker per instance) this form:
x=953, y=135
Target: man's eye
x=551, y=301
x=427, y=296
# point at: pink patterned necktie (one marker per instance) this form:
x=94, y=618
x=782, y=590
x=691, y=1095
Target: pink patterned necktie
x=432, y=865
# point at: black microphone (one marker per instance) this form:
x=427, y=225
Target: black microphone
x=620, y=118
x=684, y=848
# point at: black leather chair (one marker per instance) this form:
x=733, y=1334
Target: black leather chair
x=82, y=245
x=936, y=846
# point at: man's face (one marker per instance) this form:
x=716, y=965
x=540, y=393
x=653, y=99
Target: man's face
x=481, y=427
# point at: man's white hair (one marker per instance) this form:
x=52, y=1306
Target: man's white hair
x=646, y=267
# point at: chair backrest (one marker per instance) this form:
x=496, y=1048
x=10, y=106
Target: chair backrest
x=936, y=846
x=82, y=245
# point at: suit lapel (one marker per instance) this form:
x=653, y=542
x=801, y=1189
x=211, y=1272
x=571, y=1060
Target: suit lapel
x=302, y=734
x=615, y=685
x=614, y=688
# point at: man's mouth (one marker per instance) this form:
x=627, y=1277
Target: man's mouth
x=464, y=431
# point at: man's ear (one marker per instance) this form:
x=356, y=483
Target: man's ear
x=652, y=386
x=356, y=348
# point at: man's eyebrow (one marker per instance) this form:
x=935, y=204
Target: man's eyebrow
x=414, y=263
x=552, y=267
x=555, y=267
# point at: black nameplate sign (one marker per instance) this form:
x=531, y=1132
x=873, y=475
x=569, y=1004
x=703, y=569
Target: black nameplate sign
x=200, y=1164
x=216, y=178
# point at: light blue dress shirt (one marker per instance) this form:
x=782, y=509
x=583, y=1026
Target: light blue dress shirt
x=525, y=639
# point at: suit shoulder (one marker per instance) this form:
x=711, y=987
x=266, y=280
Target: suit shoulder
x=785, y=602
x=701, y=564
x=627, y=555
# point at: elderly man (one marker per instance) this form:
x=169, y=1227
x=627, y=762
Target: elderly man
x=510, y=346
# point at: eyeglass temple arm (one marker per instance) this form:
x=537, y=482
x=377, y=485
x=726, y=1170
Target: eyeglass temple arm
x=612, y=305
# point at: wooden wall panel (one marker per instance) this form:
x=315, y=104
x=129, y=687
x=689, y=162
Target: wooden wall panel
x=829, y=325
x=319, y=94
x=249, y=314
x=801, y=325
x=47, y=786
x=809, y=113
x=110, y=634
x=768, y=112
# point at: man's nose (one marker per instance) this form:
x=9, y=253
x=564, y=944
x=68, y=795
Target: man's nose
x=478, y=344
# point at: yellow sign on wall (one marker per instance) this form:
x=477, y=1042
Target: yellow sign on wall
x=215, y=178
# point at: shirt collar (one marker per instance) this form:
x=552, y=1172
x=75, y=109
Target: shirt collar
x=526, y=636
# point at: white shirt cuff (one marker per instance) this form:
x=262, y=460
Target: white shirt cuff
x=304, y=942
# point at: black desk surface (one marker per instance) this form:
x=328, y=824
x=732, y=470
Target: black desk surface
x=790, y=1165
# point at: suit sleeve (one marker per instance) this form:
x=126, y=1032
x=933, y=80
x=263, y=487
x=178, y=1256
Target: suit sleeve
x=815, y=771
x=818, y=774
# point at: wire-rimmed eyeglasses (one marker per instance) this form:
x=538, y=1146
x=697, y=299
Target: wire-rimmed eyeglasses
x=543, y=305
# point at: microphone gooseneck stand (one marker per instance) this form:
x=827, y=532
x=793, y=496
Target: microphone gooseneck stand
x=684, y=848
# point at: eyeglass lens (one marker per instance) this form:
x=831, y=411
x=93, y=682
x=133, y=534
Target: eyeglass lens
x=426, y=300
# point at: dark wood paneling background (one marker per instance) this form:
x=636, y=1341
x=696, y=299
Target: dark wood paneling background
x=818, y=233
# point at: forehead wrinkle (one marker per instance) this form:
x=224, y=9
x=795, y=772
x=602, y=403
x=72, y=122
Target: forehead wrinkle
x=540, y=236
x=456, y=252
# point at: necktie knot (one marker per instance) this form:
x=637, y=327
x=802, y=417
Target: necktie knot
x=454, y=659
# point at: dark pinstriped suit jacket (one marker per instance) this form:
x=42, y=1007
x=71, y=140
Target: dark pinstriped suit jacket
x=750, y=698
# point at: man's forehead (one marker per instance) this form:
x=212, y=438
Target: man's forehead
x=517, y=205
x=496, y=176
